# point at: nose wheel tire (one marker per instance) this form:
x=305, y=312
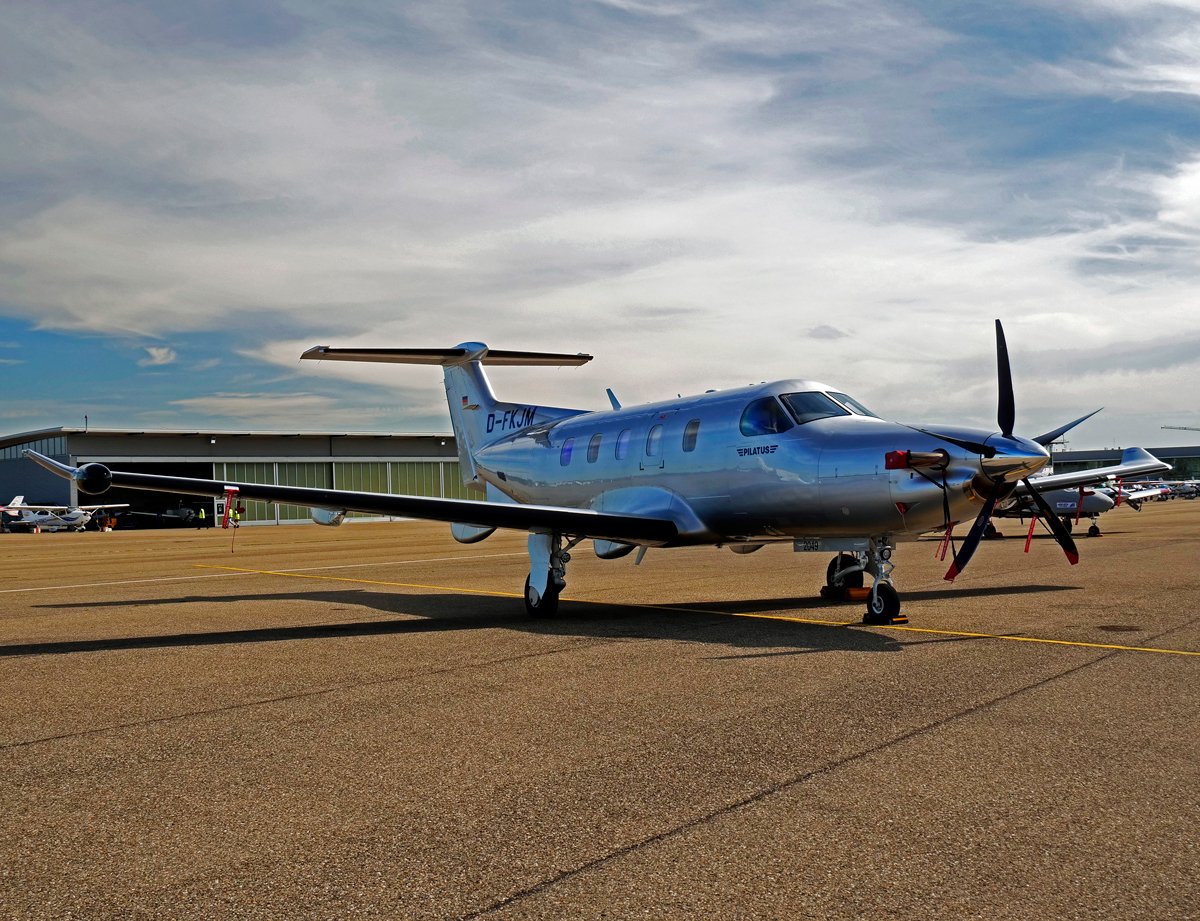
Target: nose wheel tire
x=883, y=607
x=545, y=606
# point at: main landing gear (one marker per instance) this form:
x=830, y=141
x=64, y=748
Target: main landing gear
x=548, y=559
x=845, y=577
x=1092, y=531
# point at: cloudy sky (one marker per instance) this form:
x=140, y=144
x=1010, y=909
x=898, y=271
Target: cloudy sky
x=701, y=194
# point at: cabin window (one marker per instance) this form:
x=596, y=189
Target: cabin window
x=653, y=439
x=594, y=448
x=691, y=432
x=852, y=404
x=622, y=449
x=764, y=417
x=808, y=407
x=564, y=456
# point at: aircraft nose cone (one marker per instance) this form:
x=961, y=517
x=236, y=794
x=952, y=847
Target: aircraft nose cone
x=1015, y=458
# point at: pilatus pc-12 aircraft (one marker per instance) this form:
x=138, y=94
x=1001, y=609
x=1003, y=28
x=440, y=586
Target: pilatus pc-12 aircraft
x=792, y=460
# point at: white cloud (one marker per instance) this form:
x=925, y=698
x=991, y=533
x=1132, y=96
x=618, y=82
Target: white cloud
x=157, y=356
x=699, y=194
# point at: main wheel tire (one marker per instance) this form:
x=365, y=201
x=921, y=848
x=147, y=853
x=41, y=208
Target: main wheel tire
x=883, y=606
x=850, y=579
x=546, y=606
x=1068, y=523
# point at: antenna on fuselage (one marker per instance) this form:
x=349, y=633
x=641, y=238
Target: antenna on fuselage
x=612, y=398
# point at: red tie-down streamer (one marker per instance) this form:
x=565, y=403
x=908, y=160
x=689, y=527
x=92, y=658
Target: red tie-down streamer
x=231, y=493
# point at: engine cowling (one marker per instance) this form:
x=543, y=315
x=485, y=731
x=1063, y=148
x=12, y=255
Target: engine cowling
x=328, y=517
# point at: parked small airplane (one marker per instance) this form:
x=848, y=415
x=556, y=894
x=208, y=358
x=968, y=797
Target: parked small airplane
x=1071, y=505
x=793, y=460
x=52, y=517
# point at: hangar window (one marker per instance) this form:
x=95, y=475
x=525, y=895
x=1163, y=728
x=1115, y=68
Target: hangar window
x=564, y=456
x=808, y=407
x=691, y=432
x=653, y=440
x=764, y=417
x=622, y=449
x=594, y=447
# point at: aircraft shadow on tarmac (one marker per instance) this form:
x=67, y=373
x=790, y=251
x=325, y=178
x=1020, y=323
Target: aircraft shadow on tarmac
x=705, y=622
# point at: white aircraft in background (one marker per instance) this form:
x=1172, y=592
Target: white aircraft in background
x=52, y=517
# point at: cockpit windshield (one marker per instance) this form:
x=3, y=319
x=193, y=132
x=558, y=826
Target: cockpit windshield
x=852, y=404
x=807, y=407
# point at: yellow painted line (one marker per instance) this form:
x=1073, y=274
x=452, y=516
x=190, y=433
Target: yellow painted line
x=1036, y=639
x=679, y=610
x=962, y=633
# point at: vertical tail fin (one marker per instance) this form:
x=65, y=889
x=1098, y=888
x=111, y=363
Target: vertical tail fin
x=477, y=416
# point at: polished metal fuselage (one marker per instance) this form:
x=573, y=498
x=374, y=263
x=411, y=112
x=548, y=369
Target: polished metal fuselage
x=825, y=478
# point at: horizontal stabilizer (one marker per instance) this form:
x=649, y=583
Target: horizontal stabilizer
x=455, y=356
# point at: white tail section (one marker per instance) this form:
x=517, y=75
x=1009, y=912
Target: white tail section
x=477, y=416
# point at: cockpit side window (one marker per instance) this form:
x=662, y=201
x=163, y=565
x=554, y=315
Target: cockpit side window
x=764, y=417
x=852, y=404
x=810, y=406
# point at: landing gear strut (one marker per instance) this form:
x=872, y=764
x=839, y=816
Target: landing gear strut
x=548, y=558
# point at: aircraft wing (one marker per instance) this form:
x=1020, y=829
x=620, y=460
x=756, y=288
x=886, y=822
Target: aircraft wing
x=1142, y=494
x=639, y=529
x=1134, y=462
x=96, y=508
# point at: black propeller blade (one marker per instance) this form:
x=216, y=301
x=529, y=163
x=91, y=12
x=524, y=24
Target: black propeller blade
x=1006, y=418
x=975, y=535
x=1006, y=411
x=1056, y=526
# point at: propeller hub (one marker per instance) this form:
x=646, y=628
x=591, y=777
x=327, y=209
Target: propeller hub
x=1014, y=459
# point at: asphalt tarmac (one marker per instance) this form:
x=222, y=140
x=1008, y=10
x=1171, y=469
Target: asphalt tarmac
x=362, y=723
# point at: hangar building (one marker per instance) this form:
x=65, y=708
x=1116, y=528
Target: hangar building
x=419, y=465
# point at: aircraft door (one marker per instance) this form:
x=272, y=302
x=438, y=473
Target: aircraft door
x=654, y=443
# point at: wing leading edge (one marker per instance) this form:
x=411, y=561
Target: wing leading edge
x=1134, y=462
x=96, y=478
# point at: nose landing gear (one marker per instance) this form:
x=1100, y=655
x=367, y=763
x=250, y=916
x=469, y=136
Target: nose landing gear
x=845, y=577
